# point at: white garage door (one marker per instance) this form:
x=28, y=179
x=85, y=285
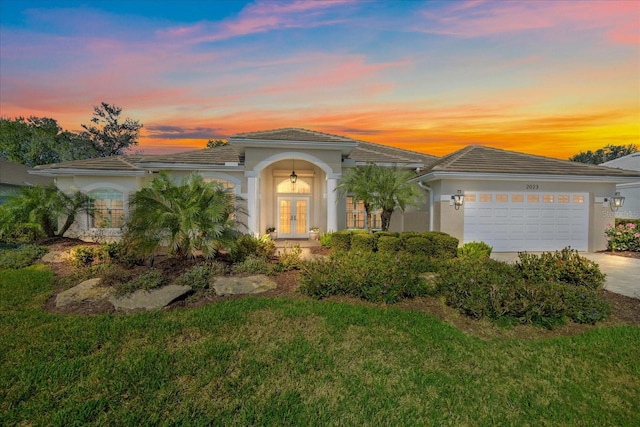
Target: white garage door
x=511, y=222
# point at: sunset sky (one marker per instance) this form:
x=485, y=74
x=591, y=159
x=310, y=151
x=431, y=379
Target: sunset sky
x=542, y=77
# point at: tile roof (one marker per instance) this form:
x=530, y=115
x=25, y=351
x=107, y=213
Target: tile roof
x=121, y=163
x=209, y=156
x=480, y=159
x=370, y=152
x=293, y=134
x=16, y=174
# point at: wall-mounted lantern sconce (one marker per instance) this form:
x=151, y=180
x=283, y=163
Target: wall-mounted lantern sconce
x=458, y=199
x=293, y=177
x=616, y=201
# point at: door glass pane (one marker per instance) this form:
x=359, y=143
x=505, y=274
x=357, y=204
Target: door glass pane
x=301, y=216
x=285, y=217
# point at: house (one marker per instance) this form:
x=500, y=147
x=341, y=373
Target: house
x=629, y=190
x=287, y=179
x=14, y=175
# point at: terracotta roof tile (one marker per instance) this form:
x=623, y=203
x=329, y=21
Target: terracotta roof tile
x=211, y=156
x=480, y=159
x=293, y=134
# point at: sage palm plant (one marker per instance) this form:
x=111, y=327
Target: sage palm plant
x=189, y=219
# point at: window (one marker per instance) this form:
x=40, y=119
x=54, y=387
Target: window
x=300, y=187
x=108, y=208
x=355, y=215
x=533, y=198
x=547, y=198
x=578, y=199
x=227, y=185
x=485, y=197
x=502, y=198
x=469, y=197
x=563, y=199
x=517, y=198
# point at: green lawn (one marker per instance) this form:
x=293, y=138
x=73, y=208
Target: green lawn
x=262, y=361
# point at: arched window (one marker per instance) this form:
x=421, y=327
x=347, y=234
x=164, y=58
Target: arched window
x=300, y=187
x=107, y=206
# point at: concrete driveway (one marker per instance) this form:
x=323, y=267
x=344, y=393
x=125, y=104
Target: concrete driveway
x=623, y=274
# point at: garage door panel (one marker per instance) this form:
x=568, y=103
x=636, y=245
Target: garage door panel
x=526, y=223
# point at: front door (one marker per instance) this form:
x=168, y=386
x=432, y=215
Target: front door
x=293, y=218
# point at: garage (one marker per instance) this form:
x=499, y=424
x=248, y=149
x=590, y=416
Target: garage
x=531, y=221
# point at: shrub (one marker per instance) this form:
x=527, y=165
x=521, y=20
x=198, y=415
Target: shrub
x=362, y=242
x=389, y=244
x=247, y=245
x=341, y=240
x=21, y=256
x=418, y=245
x=623, y=237
x=377, y=277
x=289, y=258
x=198, y=277
x=406, y=235
x=475, y=250
x=379, y=234
x=444, y=245
x=487, y=288
x=115, y=276
x=151, y=279
x=253, y=264
x=325, y=239
x=566, y=266
x=82, y=256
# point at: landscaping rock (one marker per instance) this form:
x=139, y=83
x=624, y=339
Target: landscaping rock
x=56, y=256
x=89, y=290
x=154, y=299
x=243, y=285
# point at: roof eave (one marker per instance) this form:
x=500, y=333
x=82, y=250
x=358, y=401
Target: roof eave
x=190, y=166
x=76, y=171
x=436, y=175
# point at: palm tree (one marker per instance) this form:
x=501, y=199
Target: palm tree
x=392, y=190
x=357, y=183
x=380, y=187
x=41, y=207
x=190, y=218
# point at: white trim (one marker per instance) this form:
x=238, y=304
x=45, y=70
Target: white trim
x=292, y=155
x=90, y=172
x=190, y=166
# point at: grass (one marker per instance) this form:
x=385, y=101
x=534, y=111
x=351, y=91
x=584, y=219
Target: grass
x=278, y=361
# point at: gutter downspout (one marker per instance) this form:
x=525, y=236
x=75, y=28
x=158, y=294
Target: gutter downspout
x=430, y=190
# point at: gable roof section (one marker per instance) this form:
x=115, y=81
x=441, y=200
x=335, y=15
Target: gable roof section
x=292, y=134
x=629, y=162
x=480, y=159
x=228, y=155
x=18, y=175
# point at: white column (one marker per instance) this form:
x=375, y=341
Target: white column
x=332, y=206
x=252, y=205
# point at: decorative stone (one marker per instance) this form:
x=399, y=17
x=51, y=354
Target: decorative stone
x=155, y=299
x=56, y=256
x=89, y=290
x=227, y=285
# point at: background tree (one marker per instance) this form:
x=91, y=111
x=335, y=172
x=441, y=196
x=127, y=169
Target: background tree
x=40, y=140
x=392, y=190
x=40, y=207
x=108, y=134
x=216, y=143
x=609, y=152
x=190, y=218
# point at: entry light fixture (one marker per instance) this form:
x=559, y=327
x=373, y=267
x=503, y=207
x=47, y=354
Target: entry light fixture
x=616, y=201
x=293, y=177
x=458, y=199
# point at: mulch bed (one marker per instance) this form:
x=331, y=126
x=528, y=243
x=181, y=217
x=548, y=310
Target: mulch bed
x=626, y=310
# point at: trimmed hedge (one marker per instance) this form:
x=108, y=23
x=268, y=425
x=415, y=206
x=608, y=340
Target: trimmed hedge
x=341, y=240
x=362, y=242
x=389, y=244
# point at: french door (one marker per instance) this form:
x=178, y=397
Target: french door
x=293, y=217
